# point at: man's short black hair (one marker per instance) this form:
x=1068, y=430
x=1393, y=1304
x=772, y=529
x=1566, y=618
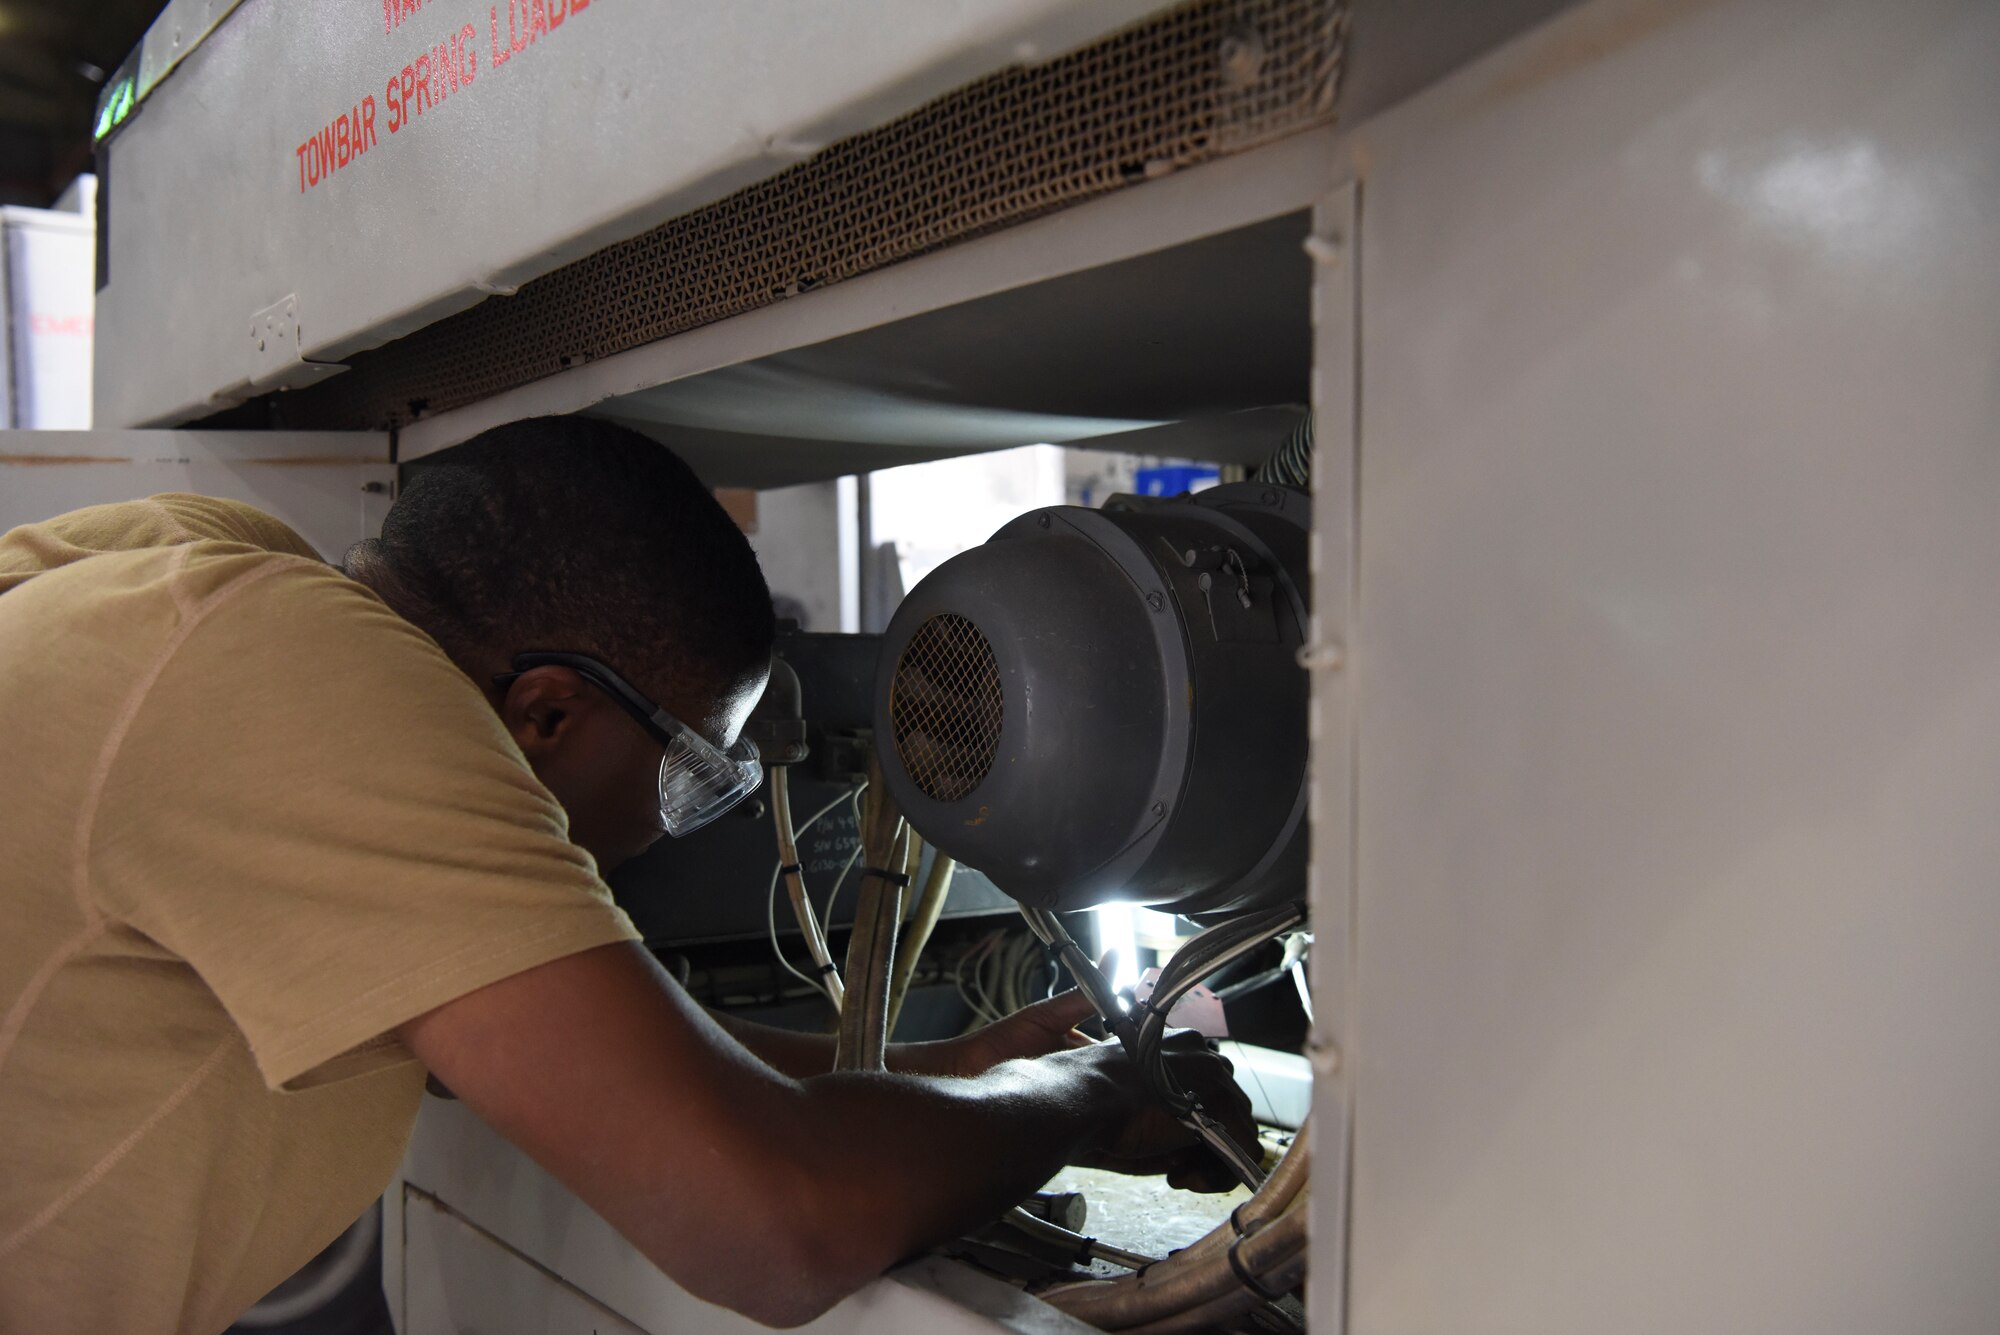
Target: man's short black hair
x=579, y=535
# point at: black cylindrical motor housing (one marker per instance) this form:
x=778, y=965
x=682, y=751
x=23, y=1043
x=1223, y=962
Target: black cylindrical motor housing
x=1103, y=706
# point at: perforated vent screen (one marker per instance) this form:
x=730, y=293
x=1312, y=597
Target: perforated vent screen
x=946, y=708
x=1203, y=80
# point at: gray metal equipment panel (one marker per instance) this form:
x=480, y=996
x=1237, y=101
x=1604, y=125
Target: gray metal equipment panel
x=316, y=179
x=1679, y=725
x=524, y=1217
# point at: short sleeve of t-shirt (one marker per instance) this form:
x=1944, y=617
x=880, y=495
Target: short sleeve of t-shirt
x=323, y=816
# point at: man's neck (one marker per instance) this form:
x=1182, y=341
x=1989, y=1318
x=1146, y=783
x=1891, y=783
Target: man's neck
x=366, y=567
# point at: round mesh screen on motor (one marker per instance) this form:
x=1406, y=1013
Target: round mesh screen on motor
x=1107, y=705
x=945, y=707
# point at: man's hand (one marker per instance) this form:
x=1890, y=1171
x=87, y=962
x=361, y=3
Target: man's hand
x=1149, y=1139
x=1033, y=1031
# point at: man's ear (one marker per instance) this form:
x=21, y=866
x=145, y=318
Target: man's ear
x=540, y=706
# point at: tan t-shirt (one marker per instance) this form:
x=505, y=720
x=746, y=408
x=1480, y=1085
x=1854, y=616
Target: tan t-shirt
x=253, y=821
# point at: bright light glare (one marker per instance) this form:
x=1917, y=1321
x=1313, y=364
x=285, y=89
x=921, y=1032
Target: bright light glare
x=933, y=511
x=1116, y=930
x=1845, y=195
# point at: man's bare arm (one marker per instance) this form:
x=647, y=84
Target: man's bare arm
x=1045, y=1027
x=729, y=1175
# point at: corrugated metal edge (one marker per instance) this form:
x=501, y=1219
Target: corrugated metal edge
x=182, y=26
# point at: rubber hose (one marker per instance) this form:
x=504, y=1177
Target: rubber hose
x=1171, y=1286
x=862, y=1041
x=1287, y=1180
x=795, y=884
x=1284, y=1186
x=923, y=920
x=1212, y=1314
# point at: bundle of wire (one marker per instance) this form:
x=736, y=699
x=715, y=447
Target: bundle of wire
x=1002, y=972
x=1212, y=950
x=1144, y=1029
x=828, y=982
x=890, y=852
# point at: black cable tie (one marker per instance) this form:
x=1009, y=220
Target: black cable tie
x=827, y=968
x=895, y=878
x=1248, y=1280
x=791, y=867
x=1237, y=1223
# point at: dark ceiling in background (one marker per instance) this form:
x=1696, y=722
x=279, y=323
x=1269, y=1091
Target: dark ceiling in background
x=54, y=58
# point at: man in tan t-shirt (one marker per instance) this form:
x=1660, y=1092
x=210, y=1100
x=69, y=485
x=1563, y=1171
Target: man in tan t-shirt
x=280, y=837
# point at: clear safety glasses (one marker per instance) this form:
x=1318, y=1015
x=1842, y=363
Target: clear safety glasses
x=698, y=780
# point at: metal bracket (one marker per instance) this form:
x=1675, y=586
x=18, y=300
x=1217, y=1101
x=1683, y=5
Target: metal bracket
x=1321, y=657
x=1324, y=250
x=276, y=337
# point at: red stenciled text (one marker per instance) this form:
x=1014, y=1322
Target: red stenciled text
x=395, y=11
x=426, y=81
x=73, y=326
x=528, y=21
x=446, y=69
x=339, y=142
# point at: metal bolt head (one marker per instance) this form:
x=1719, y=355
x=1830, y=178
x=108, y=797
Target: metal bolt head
x=1270, y=498
x=1043, y=520
x=1155, y=601
x=1159, y=808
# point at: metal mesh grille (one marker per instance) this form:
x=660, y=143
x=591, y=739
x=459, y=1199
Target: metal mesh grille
x=945, y=706
x=1206, y=79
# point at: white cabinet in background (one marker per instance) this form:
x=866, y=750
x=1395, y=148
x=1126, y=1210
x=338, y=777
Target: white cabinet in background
x=333, y=487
